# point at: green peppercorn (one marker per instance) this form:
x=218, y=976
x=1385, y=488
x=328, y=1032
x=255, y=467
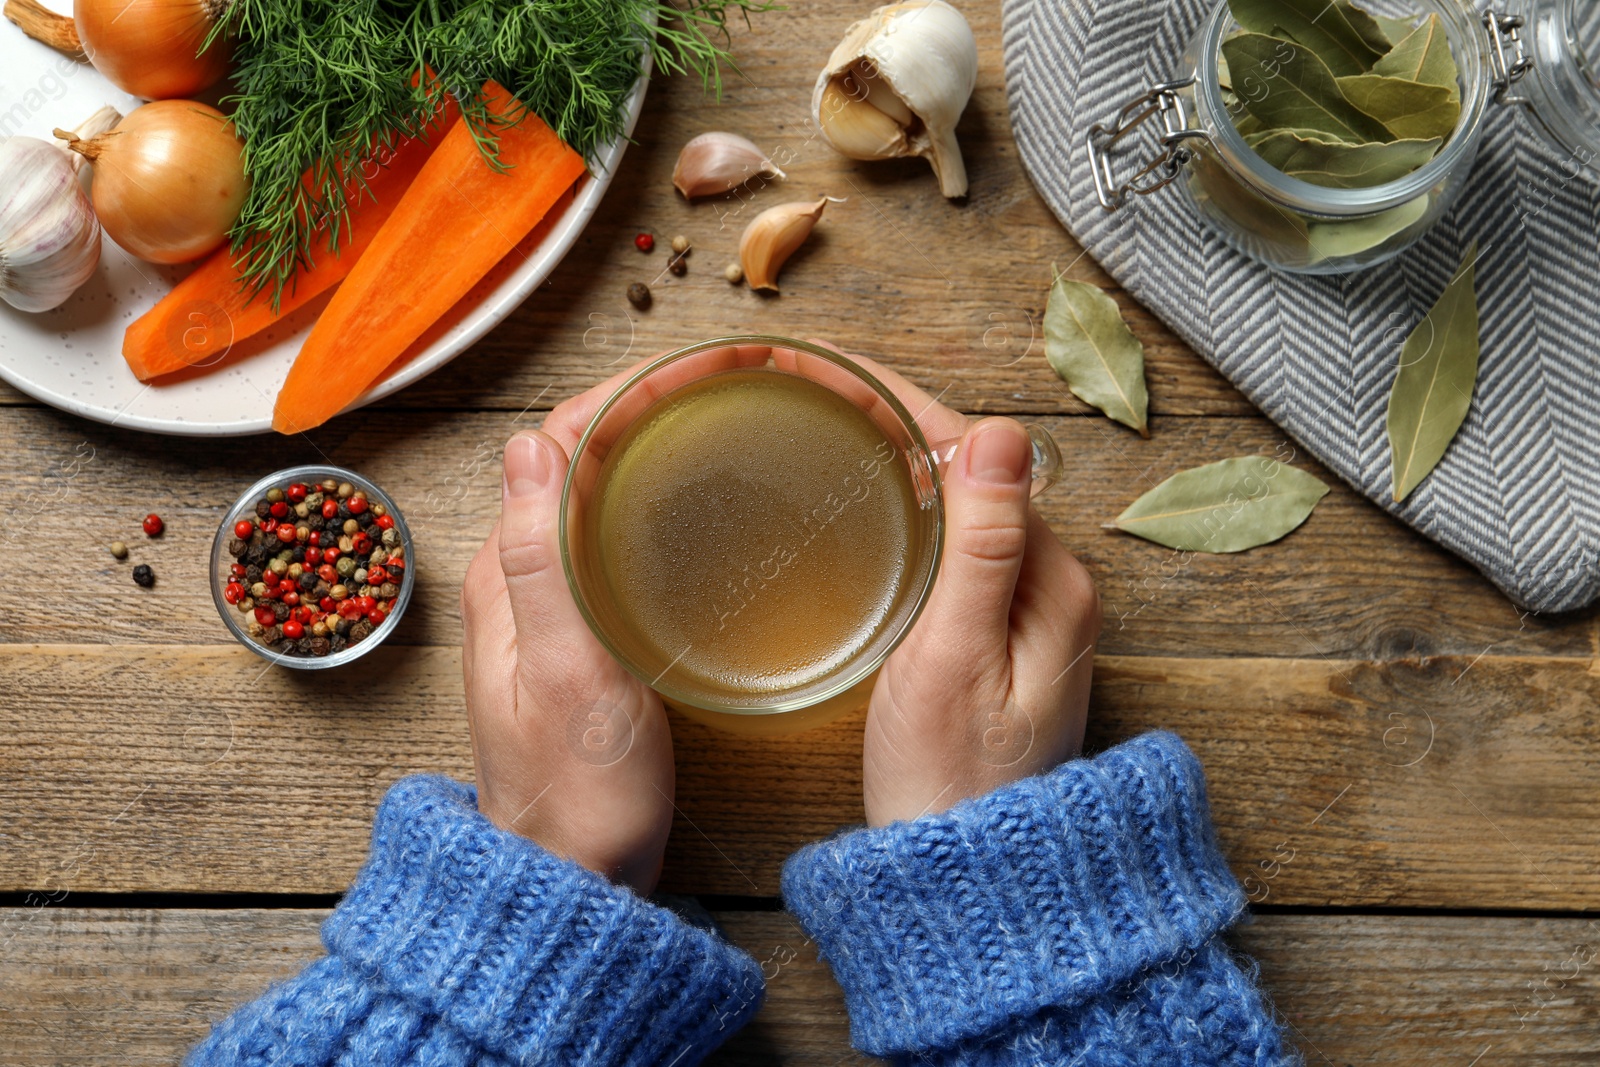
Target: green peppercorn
x=258, y=590
x=346, y=566
x=278, y=567
x=274, y=496
x=391, y=537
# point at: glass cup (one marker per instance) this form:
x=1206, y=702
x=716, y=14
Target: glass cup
x=845, y=684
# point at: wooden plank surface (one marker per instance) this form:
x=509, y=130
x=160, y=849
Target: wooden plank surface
x=1351, y=583
x=1438, y=783
x=1372, y=990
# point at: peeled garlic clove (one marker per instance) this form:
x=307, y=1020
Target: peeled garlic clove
x=49, y=236
x=772, y=237
x=913, y=65
x=716, y=162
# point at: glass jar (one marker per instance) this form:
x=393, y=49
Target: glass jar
x=1539, y=54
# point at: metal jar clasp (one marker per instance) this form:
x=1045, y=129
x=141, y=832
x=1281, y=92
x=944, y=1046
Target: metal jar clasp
x=1508, y=61
x=1164, y=101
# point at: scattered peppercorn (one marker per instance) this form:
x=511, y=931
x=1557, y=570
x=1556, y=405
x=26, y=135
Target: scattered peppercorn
x=639, y=295
x=143, y=576
x=734, y=273
x=293, y=585
x=680, y=245
x=678, y=265
x=153, y=525
x=119, y=550
x=644, y=242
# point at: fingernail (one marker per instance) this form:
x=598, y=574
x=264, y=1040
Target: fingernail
x=527, y=465
x=998, y=454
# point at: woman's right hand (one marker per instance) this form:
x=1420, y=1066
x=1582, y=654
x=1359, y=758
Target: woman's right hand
x=992, y=683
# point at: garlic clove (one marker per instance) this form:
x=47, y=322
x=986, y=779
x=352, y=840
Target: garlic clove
x=88, y=130
x=915, y=63
x=717, y=162
x=773, y=236
x=49, y=236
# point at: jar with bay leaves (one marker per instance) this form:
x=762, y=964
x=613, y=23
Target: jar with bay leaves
x=1326, y=136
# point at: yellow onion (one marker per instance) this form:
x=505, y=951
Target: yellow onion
x=168, y=180
x=150, y=48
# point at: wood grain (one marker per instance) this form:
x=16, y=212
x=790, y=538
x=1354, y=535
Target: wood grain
x=951, y=293
x=87, y=987
x=1351, y=583
x=1431, y=783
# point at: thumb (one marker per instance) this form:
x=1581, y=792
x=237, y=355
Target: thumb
x=986, y=523
x=530, y=544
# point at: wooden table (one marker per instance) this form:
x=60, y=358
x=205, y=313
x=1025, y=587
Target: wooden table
x=1403, y=765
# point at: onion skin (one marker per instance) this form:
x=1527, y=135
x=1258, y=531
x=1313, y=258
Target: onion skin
x=150, y=48
x=168, y=180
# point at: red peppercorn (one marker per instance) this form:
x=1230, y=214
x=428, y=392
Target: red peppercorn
x=385, y=522
x=285, y=533
x=293, y=630
x=153, y=525
x=377, y=616
x=644, y=242
x=330, y=508
x=377, y=576
x=328, y=573
x=366, y=604
x=315, y=539
x=268, y=526
x=330, y=554
x=243, y=529
x=296, y=493
x=327, y=603
x=292, y=598
x=348, y=609
x=271, y=578
x=233, y=593
x=266, y=617
x=313, y=556
x=356, y=504
x=238, y=570
x=302, y=613
x=361, y=543
x=280, y=510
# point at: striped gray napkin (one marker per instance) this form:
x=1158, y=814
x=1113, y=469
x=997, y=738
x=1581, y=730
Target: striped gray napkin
x=1518, y=493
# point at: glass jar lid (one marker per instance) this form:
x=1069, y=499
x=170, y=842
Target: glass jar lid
x=1545, y=55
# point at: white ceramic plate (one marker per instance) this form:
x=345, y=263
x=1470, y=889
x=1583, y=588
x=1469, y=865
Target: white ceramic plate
x=71, y=358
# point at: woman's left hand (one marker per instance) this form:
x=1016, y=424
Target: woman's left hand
x=571, y=750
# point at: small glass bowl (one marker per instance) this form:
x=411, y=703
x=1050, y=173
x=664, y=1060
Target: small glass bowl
x=244, y=507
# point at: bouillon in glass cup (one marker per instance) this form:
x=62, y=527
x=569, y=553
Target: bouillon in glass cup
x=752, y=524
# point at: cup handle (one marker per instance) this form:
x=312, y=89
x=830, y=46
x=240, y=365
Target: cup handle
x=1046, y=457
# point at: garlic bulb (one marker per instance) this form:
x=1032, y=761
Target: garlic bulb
x=896, y=86
x=773, y=236
x=716, y=162
x=49, y=236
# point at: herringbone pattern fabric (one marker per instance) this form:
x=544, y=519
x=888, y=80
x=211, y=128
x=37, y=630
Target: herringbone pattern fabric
x=1518, y=494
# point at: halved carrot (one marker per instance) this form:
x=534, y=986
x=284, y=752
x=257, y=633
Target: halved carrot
x=211, y=310
x=459, y=218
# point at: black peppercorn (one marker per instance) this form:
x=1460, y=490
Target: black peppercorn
x=280, y=610
x=308, y=581
x=298, y=554
x=677, y=266
x=344, y=510
x=320, y=646
x=639, y=295
x=303, y=645
x=338, y=643
x=143, y=576
x=360, y=631
x=252, y=575
x=263, y=510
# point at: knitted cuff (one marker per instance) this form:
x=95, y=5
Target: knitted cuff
x=533, y=957
x=1045, y=893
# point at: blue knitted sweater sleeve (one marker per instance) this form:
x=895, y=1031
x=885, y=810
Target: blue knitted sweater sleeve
x=460, y=943
x=1071, y=918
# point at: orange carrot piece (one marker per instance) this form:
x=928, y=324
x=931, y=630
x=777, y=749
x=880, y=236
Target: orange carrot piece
x=210, y=310
x=459, y=218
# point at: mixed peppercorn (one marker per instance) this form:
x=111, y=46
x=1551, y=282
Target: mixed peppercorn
x=316, y=570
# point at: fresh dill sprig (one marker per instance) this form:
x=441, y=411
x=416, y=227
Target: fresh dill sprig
x=325, y=88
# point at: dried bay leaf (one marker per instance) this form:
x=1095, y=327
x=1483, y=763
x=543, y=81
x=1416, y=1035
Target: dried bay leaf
x=1337, y=165
x=1217, y=191
x=1347, y=40
x=1227, y=506
x=1407, y=109
x=1433, y=390
x=1089, y=346
x=1394, y=29
x=1300, y=91
x=1423, y=56
x=1334, y=240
